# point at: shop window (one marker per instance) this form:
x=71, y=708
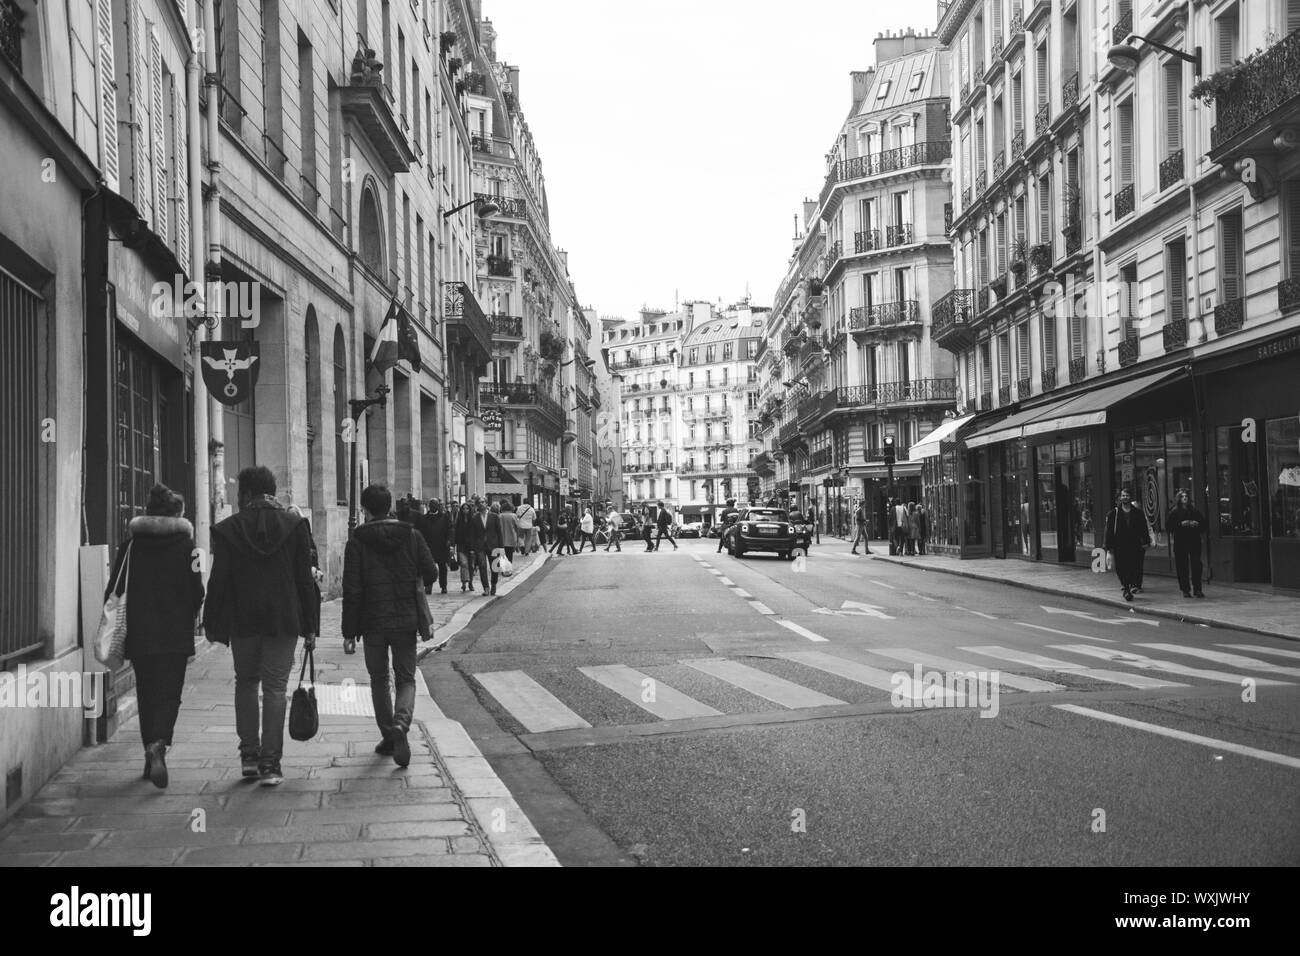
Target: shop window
x=1238, y=471
x=1283, y=438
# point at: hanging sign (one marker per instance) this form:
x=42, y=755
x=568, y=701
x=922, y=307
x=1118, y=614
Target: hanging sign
x=230, y=370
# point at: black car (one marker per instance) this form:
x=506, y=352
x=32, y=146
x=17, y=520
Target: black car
x=765, y=529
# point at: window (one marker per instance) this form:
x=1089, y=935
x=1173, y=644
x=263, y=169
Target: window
x=1001, y=268
x=1048, y=330
x=1239, y=507
x=695, y=356
x=1225, y=38
x=1173, y=132
x=884, y=89
x=751, y=400
x=1004, y=359
x=917, y=79
x=1291, y=225
x=724, y=376
x=272, y=88
x=710, y=354
x=708, y=383
x=1124, y=143
x=1230, y=257
x=751, y=374
x=986, y=367
x=1175, y=281
x=751, y=348
x=1128, y=301
x=690, y=383
x=1022, y=351
x=1045, y=211
x=1283, y=437
x=1078, y=337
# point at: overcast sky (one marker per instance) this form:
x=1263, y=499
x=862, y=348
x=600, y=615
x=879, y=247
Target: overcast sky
x=679, y=137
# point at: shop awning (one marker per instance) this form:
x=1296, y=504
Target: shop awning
x=495, y=473
x=928, y=447
x=1076, y=411
x=902, y=469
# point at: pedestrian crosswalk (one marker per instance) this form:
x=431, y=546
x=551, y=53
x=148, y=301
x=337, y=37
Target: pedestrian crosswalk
x=803, y=680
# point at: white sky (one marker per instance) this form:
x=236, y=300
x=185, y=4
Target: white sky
x=678, y=138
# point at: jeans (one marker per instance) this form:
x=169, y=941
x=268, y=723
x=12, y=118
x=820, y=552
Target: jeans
x=389, y=718
x=583, y=538
x=480, y=559
x=265, y=661
x=861, y=536
x=159, y=679
x=614, y=538
x=465, y=560
x=660, y=537
x=562, y=541
x=1185, y=559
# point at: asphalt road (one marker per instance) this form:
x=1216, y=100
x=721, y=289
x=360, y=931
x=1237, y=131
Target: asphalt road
x=689, y=708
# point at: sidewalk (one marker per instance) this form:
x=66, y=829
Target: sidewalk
x=340, y=804
x=1225, y=605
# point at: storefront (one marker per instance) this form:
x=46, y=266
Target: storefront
x=943, y=483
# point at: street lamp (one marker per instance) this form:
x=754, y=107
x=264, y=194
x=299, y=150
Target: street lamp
x=486, y=208
x=1125, y=56
x=359, y=405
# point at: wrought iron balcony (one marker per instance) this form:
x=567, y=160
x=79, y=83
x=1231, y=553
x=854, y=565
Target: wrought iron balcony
x=834, y=251
x=918, y=390
x=866, y=241
x=965, y=92
x=1123, y=27
x=1073, y=238
x=899, y=235
x=986, y=400
x=507, y=326
x=821, y=458
x=999, y=163
x=1070, y=92
x=1018, y=144
x=1004, y=394
x=467, y=326
x=630, y=361
x=1124, y=201
x=1049, y=378
x=1042, y=119
x=1171, y=169
x=524, y=395
x=11, y=33
x=510, y=208
x=1130, y=349
x=950, y=320
x=789, y=434
x=965, y=198
x=983, y=299
x=369, y=101
x=981, y=181
x=1175, y=334
x=1266, y=87
x=884, y=315
x=1040, y=257
x=888, y=161
x=877, y=452
x=1230, y=316
x=1022, y=389
x=1078, y=369
x=947, y=218
x=500, y=266
x=1288, y=295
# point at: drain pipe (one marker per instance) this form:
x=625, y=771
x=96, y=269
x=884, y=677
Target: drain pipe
x=194, y=157
x=212, y=80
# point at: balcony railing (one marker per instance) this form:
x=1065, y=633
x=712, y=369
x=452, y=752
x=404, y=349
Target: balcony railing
x=511, y=207
x=1070, y=92
x=1130, y=349
x=897, y=393
x=834, y=251
x=981, y=181
x=507, y=326
x=1124, y=201
x=520, y=394
x=950, y=319
x=965, y=198
x=1049, y=378
x=466, y=323
x=789, y=433
x=1022, y=389
x=1018, y=144
x=888, y=161
x=899, y=235
x=986, y=400
x=1171, y=169
x=1123, y=27
x=1004, y=394
x=1073, y=238
x=1042, y=119
x=1230, y=316
x=884, y=315
x=999, y=163
x=821, y=458
x=947, y=218
x=500, y=266
x=11, y=33
x=877, y=452
x=1175, y=334
x=630, y=361
x=1078, y=369
x=1268, y=82
x=866, y=241
x=1288, y=295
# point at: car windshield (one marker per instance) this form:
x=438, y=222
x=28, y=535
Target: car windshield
x=765, y=514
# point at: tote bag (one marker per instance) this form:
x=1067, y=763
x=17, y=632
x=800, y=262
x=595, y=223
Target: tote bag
x=110, y=637
x=304, y=717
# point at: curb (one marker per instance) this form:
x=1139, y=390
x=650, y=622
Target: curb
x=1096, y=599
x=512, y=836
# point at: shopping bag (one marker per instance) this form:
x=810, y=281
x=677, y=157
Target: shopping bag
x=304, y=717
x=503, y=566
x=110, y=637
x=423, y=616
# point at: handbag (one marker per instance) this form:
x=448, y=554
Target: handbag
x=503, y=566
x=452, y=563
x=110, y=637
x=304, y=717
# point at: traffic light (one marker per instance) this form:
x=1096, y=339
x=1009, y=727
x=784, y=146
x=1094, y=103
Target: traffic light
x=889, y=449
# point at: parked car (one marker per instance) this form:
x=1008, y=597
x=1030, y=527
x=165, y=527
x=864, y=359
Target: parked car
x=630, y=526
x=715, y=530
x=764, y=529
x=691, y=529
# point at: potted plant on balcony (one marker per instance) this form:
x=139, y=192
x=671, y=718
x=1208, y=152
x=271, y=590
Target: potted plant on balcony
x=663, y=383
x=1209, y=88
x=999, y=287
x=1020, y=258
x=1040, y=257
x=551, y=345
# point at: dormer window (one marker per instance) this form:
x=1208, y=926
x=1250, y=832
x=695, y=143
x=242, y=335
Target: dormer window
x=884, y=89
x=917, y=78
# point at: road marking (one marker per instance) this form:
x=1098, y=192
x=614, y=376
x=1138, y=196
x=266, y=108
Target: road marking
x=768, y=686
x=761, y=608
x=529, y=702
x=958, y=607
x=801, y=631
x=741, y=592
x=923, y=597
x=1052, y=630
x=851, y=574
x=909, y=656
x=884, y=585
x=1151, y=664
x=1069, y=667
x=855, y=609
x=863, y=673
x=1235, y=660
x=1132, y=619
x=1261, y=649
x=715, y=571
x=630, y=684
x=727, y=581
x=1283, y=759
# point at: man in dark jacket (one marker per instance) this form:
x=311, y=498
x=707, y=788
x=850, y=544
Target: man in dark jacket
x=664, y=521
x=436, y=529
x=1187, y=524
x=1127, y=537
x=261, y=596
x=729, y=515
x=493, y=547
x=382, y=565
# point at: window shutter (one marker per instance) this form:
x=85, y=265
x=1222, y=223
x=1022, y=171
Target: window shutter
x=1176, y=281
x=1044, y=210
x=158, y=127
x=1018, y=104
x=997, y=18
x=1230, y=267
x=1292, y=16
x=1004, y=358
x=1173, y=108
x=1044, y=87
x=1022, y=351
x=180, y=138
x=1048, y=329
x=1125, y=143
x=142, y=180
x=1076, y=337
x=1291, y=210
x=1227, y=37
x=108, y=159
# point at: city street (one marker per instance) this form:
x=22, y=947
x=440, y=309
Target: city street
x=691, y=708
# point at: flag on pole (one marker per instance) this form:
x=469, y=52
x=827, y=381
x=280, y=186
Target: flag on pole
x=397, y=340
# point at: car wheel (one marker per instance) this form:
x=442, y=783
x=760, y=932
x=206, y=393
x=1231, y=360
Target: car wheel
x=738, y=550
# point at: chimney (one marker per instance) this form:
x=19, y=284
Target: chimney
x=860, y=84
x=701, y=311
x=809, y=210
x=512, y=75
x=488, y=39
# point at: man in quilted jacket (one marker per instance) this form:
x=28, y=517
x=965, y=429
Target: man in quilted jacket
x=383, y=565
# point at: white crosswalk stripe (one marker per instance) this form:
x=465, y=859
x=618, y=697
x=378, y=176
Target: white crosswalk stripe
x=648, y=693
x=860, y=673
x=768, y=686
x=909, y=656
x=1261, y=649
x=529, y=702
x=1119, y=656
x=1222, y=657
x=1069, y=667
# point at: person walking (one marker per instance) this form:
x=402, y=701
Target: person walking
x=923, y=528
x=860, y=516
x=664, y=522
x=261, y=597
x=166, y=592
x=587, y=531
x=899, y=529
x=468, y=535
x=1127, y=537
x=435, y=528
x=913, y=528
x=615, y=521
x=510, y=535
x=544, y=528
x=526, y=518
x=493, y=546
x=562, y=537
x=729, y=514
x=383, y=564
x=1187, y=525
x=813, y=520
x=647, y=528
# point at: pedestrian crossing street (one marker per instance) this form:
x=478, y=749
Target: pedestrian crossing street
x=797, y=680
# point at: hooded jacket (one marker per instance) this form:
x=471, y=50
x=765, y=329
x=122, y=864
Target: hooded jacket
x=261, y=583
x=381, y=564
x=164, y=589
x=1126, y=530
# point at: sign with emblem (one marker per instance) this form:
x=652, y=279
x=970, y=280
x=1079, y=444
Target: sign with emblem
x=229, y=370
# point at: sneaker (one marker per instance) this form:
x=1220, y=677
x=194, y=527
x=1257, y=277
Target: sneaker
x=1200, y=594
x=385, y=747
x=249, y=766
x=269, y=775
x=1128, y=595
x=1187, y=594
x=401, y=748
x=853, y=552
x=158, y=764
